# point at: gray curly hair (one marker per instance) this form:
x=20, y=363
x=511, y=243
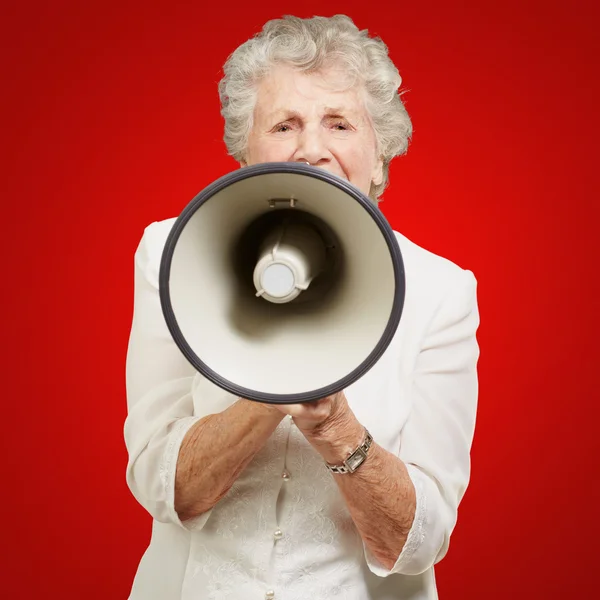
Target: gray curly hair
x=311, y=45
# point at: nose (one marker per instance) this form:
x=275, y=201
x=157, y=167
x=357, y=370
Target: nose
x=312, y=147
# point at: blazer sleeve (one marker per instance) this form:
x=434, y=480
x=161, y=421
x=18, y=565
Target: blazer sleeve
x=437, y=437
x=159, y=384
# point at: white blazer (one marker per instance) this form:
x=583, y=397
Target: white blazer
x=419, y=402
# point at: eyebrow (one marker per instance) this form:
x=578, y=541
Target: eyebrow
x=286, y=113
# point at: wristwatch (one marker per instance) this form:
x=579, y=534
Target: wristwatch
x=355, y=459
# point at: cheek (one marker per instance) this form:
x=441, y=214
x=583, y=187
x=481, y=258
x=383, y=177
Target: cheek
x=269, y=152
x=358, y=164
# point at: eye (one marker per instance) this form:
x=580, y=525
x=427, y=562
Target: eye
x=282, y=128
x=340, y=126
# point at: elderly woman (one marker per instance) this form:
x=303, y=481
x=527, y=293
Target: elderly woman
x=243, y=500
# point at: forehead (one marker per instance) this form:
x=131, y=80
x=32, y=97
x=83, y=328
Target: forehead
x=285, y=89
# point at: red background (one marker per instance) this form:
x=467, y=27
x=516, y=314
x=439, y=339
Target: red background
x=110, y=121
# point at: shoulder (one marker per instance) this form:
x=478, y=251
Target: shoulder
x=432, y=280
x=150, y=248
x=429, y=268
x=155, y=235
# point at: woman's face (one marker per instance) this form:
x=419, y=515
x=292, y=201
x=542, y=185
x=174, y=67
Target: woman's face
x=302, y=117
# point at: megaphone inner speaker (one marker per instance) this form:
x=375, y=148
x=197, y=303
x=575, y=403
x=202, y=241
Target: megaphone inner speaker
x=246, y=250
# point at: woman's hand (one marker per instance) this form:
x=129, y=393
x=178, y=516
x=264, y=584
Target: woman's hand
x=328, y=424
x=318, y=415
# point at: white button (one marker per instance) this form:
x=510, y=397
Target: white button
x=290, y=417
x=286, y=475
x=278, y=534
x=270, y=594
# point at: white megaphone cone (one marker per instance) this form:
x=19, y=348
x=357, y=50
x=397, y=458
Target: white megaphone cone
x=282, y=283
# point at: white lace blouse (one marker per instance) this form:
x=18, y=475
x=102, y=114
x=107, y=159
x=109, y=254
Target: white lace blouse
x=283, y=530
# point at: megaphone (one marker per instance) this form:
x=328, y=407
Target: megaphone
x=282, y=283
